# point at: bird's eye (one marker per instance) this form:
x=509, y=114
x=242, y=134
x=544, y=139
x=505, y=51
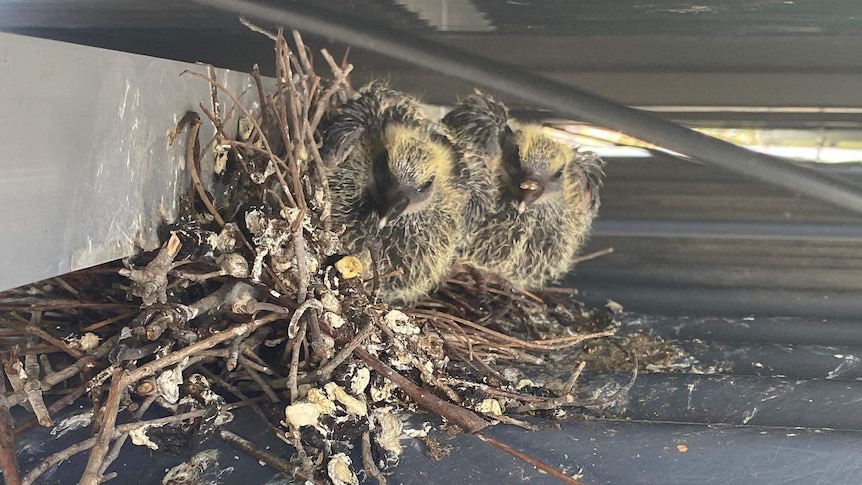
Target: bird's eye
x=558, y=174
x=426, y=185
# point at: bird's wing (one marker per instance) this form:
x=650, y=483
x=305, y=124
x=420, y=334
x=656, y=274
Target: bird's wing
x=481, y=121
x=590, y=168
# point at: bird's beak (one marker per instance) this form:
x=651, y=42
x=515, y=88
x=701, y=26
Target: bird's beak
x=382, y=222
x=396, y=203
x=530, y=191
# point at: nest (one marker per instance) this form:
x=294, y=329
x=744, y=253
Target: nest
x=250, y=302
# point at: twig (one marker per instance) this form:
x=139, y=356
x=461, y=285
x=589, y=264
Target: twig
x=223, y=136
x=294, y=362
x=214, y=98
x=570, y=384
x=295, y=440
x=511, y=421
x=325, y=371
x=506, y=340
x=427, y=375
x=33, y=388
x=302, y=50
x=261, y=95
x=73, y=450
x=250, y=345
x=560, y=289
x=233, y=354
x=260, y=381
x=121, y=440
x=551, y=403
x=248, y=114
x=259, y=30
x=550, y=470
x=192, y=166
x=8, y=458
x=268, y=458
x=284, y=55
x=44, y=361
x=493, y=391
x=64, y=305
x=301, y=260
x=563, y=342
x=531, y=296
x=66, y=286
x=177, y=356
x=341, y=79
x=593, y=255
x=108, y=321
x=91, y=474
x=214, y=379
x=282, y=128
x=569, y=400
x=368, y=461
x=466, y=419
x=151, y=282
x=57, y=405
x=56, y=458
x=483, y=368
x=31, y=329
x=458, y=300
x=315, y=338
x=246, y=362
x=293, y=327
x=85, y=362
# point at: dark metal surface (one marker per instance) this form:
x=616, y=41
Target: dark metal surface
x=638, y=453
x=742, y=400
x=778, y=412
x=548, y=17
x=728, y=230
x=693, y=240
x=605, y=452
x=788, y=331
x=730, y=53
x=722, y=17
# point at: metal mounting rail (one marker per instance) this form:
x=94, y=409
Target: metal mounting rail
x=87, y=174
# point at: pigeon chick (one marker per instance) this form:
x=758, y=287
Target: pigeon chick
x=392, y=180
x=545, y=195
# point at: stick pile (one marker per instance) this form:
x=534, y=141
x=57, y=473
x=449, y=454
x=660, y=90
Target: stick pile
x=250, y=301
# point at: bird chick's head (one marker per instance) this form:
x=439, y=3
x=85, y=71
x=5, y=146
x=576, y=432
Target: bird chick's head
x=534, y=166
x=540, y=169
x=410, y=170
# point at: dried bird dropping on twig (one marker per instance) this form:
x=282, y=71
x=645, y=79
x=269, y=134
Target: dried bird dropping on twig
x=301, y=414
x=350, y=403
x=349, y=267
x=399, y=322
x=168, y=384
x=339, y=471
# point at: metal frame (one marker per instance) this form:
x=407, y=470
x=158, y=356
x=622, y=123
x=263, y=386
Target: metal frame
x=87, y=174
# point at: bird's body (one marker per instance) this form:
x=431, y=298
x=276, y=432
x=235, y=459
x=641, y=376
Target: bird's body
x=392, y=179
x=545, y=195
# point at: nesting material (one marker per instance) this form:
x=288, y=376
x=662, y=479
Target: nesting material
x=252, y=298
